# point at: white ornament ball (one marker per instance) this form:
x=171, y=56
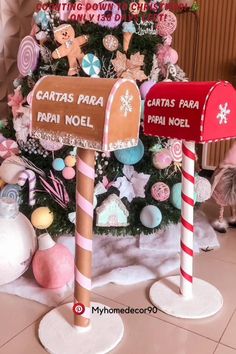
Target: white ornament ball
x=17, y=246
x=11, y=168
x=151, y=216
x=202, y=189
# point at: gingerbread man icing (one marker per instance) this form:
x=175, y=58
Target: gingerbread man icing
x=70, y=47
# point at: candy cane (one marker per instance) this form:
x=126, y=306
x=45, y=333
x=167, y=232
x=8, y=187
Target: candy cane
x=31, y=177
x=84, y=233
x=186, y=267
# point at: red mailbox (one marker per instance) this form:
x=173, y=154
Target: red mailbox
x=192, y=111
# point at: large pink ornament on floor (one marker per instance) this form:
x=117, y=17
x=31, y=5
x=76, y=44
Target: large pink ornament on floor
x=53, y=264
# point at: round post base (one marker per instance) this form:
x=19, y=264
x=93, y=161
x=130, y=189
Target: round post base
x=59, y=336
x=206, y=300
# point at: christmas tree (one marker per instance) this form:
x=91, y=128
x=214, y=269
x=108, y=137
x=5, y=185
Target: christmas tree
x=138, y=189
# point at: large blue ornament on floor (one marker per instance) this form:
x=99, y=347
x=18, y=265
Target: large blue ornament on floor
x=130, y=156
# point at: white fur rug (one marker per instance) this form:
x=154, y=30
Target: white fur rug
x=123, y=260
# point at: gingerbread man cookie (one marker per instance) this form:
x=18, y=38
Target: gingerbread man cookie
x=70, y=47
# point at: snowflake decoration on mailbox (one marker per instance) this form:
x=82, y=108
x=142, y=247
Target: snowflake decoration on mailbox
x=126, y=103
x=224, y=113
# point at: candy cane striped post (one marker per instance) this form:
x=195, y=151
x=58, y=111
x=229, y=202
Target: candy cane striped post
x=31, y=177
x=84, y=233
x=186, y=263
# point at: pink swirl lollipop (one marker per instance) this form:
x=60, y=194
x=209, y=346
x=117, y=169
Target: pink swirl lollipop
x=175, y=148
x=28, y=55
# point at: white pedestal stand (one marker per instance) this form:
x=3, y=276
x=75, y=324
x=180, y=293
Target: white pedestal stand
x=58, y=334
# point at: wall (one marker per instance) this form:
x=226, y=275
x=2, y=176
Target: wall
x=217, y=46
x=15, y=23
x=216, y=55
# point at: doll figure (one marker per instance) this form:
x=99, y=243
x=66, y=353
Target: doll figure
x=224, y=190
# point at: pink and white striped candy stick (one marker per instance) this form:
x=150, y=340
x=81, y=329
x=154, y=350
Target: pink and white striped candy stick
x=186, y=263
x=31, y=177
x=84, y=234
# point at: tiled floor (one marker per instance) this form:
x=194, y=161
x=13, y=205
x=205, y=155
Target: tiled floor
x=144, y=334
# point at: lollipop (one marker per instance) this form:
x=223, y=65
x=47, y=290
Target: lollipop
x=8, y=148
x=91, y=65
x=175, y=148
x=11, y=191
x=167, y=23
x=28, y=55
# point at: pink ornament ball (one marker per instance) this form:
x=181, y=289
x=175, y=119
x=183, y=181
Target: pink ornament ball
x=68, y=173
x=145, y=88
x=172, y=56
x=162, y=159
x=53, y=268
x=160, y=192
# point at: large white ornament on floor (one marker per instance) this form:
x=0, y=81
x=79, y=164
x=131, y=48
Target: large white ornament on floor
x=17, y=241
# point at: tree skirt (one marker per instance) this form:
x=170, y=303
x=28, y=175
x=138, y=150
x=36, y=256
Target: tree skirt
x=123, y=260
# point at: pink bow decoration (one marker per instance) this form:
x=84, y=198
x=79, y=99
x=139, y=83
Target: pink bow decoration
x=83, y=12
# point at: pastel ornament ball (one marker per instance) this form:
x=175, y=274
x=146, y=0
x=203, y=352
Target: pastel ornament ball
x=162, y=159
x=68, y=173
x=42, y=218
x=151, y=216
x=70, y=161
x=11, y=168
x=58, y=164
x=145, y=88
x=160, y=192
x=176, y=196
x=202, y=189
x=53, y=264
x=132, y=155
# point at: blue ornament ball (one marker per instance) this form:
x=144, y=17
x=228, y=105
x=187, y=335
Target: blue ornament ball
x=151, y=216
x=58, y=164
x=130, y=156
x=176, y=196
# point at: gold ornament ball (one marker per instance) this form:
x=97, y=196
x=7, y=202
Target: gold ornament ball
x=42, y=218
x=70, y=161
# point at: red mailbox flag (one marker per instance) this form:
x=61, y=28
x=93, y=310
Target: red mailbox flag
x=192, y=111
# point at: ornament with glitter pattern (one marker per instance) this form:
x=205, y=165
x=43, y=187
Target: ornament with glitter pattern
x=160, y=192
x=110, y=42
x=167, y=23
